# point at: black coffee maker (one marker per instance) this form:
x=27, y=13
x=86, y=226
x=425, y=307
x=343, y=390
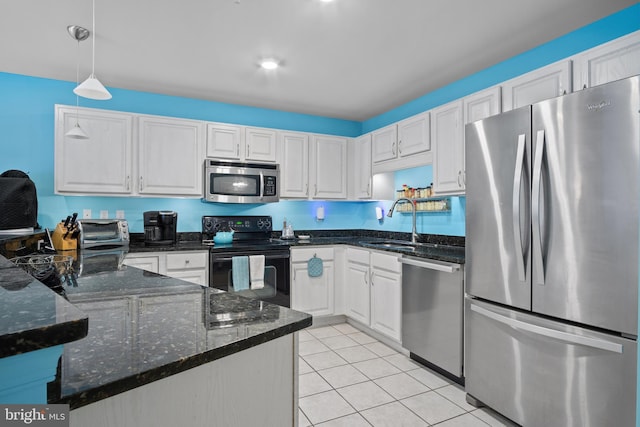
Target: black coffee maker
x=160, y=228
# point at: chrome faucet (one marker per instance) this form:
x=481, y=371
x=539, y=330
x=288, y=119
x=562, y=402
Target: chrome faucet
x=414, y=234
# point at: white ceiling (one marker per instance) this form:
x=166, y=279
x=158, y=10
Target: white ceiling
x=350, y=59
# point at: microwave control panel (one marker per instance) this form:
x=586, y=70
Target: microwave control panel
x=270, y=187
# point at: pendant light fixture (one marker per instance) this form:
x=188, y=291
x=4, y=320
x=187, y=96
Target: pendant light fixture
x=77, y=33
x=92, y=88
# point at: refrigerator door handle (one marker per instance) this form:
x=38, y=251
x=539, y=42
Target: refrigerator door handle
x=550, y=333
x=538, y=263
x=517, y=183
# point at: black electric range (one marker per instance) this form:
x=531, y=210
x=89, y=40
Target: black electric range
x=251, y=237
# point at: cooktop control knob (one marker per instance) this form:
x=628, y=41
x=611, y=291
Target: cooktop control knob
x=207, y=225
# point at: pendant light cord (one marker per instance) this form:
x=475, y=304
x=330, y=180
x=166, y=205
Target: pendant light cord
x=93, y=39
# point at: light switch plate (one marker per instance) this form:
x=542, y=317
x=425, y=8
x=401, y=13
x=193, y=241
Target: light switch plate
x=119, y=214
x=104, y=214
x=86, y=214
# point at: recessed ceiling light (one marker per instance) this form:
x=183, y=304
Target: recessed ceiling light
x=269, y=64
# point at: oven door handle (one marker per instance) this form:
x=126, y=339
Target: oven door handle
x=215, y=258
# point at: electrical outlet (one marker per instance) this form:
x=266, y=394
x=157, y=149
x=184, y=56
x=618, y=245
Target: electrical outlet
x=119, y=214
x=86, y=213
x=104, y=214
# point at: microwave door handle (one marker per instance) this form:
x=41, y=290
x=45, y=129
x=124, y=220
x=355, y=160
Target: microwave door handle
x=261, y=185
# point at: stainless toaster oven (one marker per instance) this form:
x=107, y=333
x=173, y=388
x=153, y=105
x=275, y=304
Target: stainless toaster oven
x=103, y=233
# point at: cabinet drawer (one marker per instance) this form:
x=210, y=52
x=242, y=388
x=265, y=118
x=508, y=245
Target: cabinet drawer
x=187, y=260
x=300, y=255
x=386, y=262
x=358, y=255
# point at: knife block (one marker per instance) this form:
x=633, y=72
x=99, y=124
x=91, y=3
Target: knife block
x=62, y=243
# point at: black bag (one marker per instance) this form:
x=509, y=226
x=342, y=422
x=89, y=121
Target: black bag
x=18, y=201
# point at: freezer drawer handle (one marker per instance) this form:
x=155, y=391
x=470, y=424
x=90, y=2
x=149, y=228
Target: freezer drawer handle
x=551, y=333
x=535, y=211
x=517, y=183
x=446, y=267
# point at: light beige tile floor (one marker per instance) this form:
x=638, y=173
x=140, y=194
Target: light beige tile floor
x=348, y=378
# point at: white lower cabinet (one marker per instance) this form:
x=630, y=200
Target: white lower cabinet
x=313, y=295
x=146, y=262
x=357, y=285
x=373, y=290
x=191, y=266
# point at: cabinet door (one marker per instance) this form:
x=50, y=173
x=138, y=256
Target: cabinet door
x=413, y=135
x=481, y=105
x=384, y=144
x=109, y=332
x=386, y=302
x=260, y=144
x=330, y=167
x=615, y=60
x=294, y=165
x=170, y=160
x=189, y=266
x=447, y=132
x=362, y=167
x=100, y=164
x=313, y=295
x=544, y=83
x=185, y=336
x=145, y=262
x=356, y=286
x=224, y=141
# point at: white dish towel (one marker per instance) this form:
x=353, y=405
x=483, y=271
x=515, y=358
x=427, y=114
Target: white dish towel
x=256, y=271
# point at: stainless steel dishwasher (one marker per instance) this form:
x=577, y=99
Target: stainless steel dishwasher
x=432, y=314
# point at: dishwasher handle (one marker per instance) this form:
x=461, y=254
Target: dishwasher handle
x=446, y=267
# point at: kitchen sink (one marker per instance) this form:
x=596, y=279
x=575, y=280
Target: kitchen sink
x=391, y=245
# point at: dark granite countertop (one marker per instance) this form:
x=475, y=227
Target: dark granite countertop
x=432, y=246
x=32, y=316
x=144, y=327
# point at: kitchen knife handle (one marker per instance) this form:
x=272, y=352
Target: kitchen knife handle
x=538, y=263
x=515, y=204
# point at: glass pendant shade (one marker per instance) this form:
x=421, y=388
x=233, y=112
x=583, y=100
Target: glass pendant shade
x=77, y=133
x=92, y=89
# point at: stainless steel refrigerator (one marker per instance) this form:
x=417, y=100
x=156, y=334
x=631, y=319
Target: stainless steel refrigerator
x=551, y=304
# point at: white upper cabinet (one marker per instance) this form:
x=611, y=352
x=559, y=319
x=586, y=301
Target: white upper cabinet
x=538, y=85
x=413, y=135
x=402, y=145
x=241, y=143
x=361, y=167
x=447, y=133
x=611, y=61
x=101, y=164
x=260, y=144
x=294, y=164
x=481, y=105
x=328, y=167
x=224, y=141
x=384, y=143
x=170, y=156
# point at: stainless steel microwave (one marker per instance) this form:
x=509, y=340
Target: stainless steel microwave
x=103, y=233
x=230, y=182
